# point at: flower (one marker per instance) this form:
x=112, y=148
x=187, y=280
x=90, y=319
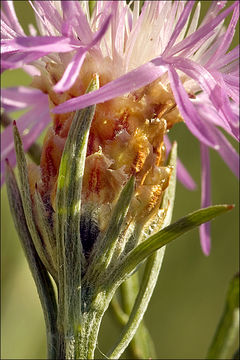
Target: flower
x=152, y=74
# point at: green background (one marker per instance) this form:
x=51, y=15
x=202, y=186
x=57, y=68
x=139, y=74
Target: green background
x=189, y=297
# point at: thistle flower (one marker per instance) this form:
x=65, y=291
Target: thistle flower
x=153, y=74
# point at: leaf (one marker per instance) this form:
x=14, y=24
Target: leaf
x=228, y=328
x=44, y=226
x=27, y=203
x=103, y=250
x=38, y=270
x=165, y=236
x=68, y=212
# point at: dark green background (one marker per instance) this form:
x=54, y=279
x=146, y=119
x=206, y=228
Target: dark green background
x=189, y=297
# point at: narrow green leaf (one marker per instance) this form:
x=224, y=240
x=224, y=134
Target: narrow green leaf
x=68, y=209
x=46, y=230
x=103, y=251
x=165, y=236
x=227, y=331
x=169, y=194
x=27, y=203
x=38, y=270
x=150, y=276
x=117, y=311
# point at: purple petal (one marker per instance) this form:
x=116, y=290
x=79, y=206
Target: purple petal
x=73, y=13
x=213, y=118
x=213, y=10
x=100, y=33
x=227, y=58
x=48, y=11
x=180, y=24
x=228, y=153
x=24, y=123
x=41, y=117
x=205, y=199
x=188, y=111
x=216, y=93
x=227, y=39
x=8, y=47
x=6, y=31
x=45, y=44
x=17, y=60
x=201, y=32
x=72, y=71
x=131, y=81
x=9, y=11
x=182, y=174
x=20, y=97
x=184, y=177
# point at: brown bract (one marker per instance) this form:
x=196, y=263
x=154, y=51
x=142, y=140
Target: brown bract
x=126, y=138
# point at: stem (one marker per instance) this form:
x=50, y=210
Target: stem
x=91, y=321
x=149, y=280
x=228, y=328
x=141, y=346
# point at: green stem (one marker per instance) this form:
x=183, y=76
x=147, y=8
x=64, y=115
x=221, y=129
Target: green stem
x=148, y=283
x=141, y=346
x=228, y=328
x=117, y=311
x=91, y=321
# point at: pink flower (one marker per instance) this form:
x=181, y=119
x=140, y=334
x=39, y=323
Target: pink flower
x=130, y=49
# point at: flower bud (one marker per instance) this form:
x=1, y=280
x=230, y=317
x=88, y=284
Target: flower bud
x=126, y=138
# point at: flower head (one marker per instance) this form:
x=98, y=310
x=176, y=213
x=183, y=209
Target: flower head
x=157, y=66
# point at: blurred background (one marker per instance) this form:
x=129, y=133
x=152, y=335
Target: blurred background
x=189, y=298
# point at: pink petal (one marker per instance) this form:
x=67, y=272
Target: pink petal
x=188, y=111
x=180, y=24
x=6, y=31
x=72, y=71
x=45, y=44
x=9, y=11
x=183, y=175
x=73, y=13
x=131, y=81
x=200, y=33
x=227, y=39
x=14, y=61
x=41, y=119
x=227, y=58
x=216, y=93
x=24, y=123
x=20, y=97
x=228, y=153
x=48, y=11
x=205, y=199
